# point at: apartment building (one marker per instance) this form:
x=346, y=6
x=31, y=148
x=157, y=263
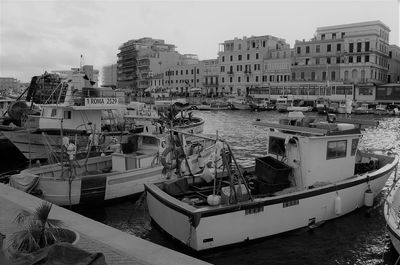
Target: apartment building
x=394, y=64
x=139, y=59
x=241, y=62
x=109, y=75
x=211, y=77
x=355, y=53
x=187, y=74
x=277, y=65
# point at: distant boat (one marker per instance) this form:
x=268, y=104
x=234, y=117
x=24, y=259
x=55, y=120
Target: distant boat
x=239, y=103
x=314, y=172
x=215, y=105
x=362, y=109
x=258, y=104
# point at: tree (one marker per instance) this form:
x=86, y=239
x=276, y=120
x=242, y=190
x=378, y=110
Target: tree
x=38, y=230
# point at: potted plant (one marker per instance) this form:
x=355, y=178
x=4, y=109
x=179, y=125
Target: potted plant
x=38, y=231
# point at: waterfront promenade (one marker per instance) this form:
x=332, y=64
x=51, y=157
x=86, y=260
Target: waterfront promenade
x=118, y=247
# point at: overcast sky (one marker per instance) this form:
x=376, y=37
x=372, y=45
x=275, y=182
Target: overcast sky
x=51, y=35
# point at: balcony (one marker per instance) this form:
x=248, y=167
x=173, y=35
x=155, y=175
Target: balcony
x=230, y=72
x=247, y=72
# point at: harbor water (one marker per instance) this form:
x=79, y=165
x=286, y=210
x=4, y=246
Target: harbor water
x=357, y=238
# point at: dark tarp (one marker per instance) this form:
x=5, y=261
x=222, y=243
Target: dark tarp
x=61, y=254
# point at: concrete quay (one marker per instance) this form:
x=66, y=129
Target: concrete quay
x=118, y=247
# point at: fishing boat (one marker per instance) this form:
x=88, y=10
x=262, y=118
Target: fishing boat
x=239, y=103
x=75, y=117
x=260, y=104
x=314, y=172
x=380, y=110
x=362, y=109
x=214, y=106
x=282, y=104
x=104, y=178
x=391, y=212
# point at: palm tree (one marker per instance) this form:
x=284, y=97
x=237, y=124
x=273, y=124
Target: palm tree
x=38, y=230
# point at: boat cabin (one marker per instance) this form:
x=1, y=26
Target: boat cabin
x=318, y=152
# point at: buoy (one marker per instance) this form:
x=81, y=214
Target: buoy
x=338, y=205
x=368, y=198
x=214, y=200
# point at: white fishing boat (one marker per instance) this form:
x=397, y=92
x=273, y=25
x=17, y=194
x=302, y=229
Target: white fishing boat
x=103, y=178
x=239, y=103
x=391, y=212
x=314, y=172
x=215, y=105
x=261, y=104
x=380, y=109
x=362, y=109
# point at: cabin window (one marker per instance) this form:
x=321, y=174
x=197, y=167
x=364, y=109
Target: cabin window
x=354, y=144
x=53, y=113
x=67, y=115
x=336, y=149
x=276, y=146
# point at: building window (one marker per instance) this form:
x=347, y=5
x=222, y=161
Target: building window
x=256, y=78
x=222, y=69
x=338, y=59
x=223, y=80
x=53, y=113
x=187, y=71
x=312, y=76
x=307, y=49
x=328, y=60
x=248, y=56
x=338, y=47
x=198, y=71
x=333, y=76
x=333, y=36
x=322, y=36
x=367, y=46
x=316, y=60
x=239, y=46
x=351, y=47
x=323, y=76
x=366, y=58
x=342, y=35
x=336, y=149
x=358, y=58
x=223, y=58
x=181, y=72
x=317, y=48
x=263, y=43
x=238, y=79
x=191, y=71
x=247, y=79
x=230, y=79
x=293, y=76
x=350, y=59
x=239, y=57
x=328, y=48
x=302, y=75
x=257, y=55
x=231, y=57
x=298, y=50
x=67, y=115
x=358, y=46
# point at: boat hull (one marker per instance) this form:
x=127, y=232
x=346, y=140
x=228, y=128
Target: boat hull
x=240, y=106
x=390, y=210
x=217, y=227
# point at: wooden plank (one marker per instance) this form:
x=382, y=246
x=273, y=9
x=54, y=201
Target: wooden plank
x=292, y=128
x=357, y=121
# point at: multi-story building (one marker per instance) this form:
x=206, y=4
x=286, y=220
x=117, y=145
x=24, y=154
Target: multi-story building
x=352, y=53
x=109, y=75
x=211, y=76
x=241, y=62
x=138, y=59
x=394, y=64
x=186, y=75
x=85, y=76
x=277, y=65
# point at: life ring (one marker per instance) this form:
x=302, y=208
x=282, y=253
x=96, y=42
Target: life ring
x=163, y=158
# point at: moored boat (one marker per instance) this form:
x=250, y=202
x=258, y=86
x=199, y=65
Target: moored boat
x=314, y=172
x=391, y=212
x=99, y=179
x=215, y=105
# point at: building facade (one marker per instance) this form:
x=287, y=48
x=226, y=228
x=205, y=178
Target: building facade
x=277, y=65
x=394, y=64
x=109, y=75
x=241, y=62
x=211, y=77
x=355, y=53
x=139, y=59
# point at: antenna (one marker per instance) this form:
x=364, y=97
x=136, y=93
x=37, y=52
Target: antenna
x=82, y=62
